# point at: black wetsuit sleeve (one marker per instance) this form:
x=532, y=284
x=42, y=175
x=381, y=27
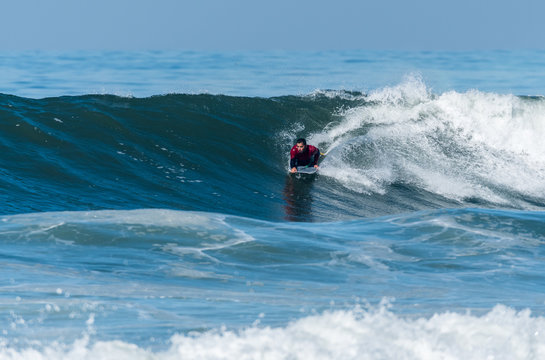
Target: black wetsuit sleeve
x=314, y=157
x=293, y=162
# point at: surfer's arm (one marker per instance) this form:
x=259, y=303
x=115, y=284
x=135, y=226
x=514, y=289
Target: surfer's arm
x=314, y=158
x=293, y=163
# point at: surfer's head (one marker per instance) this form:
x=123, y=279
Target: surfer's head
x=300, y=144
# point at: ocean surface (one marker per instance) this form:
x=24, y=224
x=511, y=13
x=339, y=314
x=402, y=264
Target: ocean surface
x=146, y=211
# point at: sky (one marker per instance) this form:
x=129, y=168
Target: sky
x=308, y=25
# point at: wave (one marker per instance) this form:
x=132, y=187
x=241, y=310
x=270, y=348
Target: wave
x=502, y=333
x=90, y=282
x=164, y=246
x=396, y=149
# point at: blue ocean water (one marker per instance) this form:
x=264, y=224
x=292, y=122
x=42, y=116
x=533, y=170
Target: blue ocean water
x=147, y=211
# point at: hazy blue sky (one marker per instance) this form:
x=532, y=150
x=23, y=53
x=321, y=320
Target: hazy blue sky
x=273, y=24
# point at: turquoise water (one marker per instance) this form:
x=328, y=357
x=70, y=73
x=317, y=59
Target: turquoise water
x=141, y=218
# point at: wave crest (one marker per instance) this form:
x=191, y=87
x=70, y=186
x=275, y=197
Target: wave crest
x=471, y=146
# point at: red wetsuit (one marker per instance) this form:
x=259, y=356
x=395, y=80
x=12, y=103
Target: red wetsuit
x=309, y=156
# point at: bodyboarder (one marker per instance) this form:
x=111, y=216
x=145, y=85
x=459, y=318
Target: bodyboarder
x=302, y=154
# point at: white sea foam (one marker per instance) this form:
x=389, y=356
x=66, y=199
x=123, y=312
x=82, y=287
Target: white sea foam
x=458, y=145
x=502, y=333
x=208, y=226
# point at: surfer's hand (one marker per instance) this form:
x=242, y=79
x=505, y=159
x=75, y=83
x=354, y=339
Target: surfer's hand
x=294, y=169
x=316, y=166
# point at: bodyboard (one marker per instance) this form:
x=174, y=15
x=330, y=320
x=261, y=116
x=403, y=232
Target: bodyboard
x=306, y=170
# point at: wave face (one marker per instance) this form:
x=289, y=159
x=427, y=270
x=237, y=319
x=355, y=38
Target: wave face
x=393, y=150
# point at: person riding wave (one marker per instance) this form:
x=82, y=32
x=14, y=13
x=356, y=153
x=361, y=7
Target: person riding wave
x=302, y=154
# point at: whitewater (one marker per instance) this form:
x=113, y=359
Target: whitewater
x=147, y=212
